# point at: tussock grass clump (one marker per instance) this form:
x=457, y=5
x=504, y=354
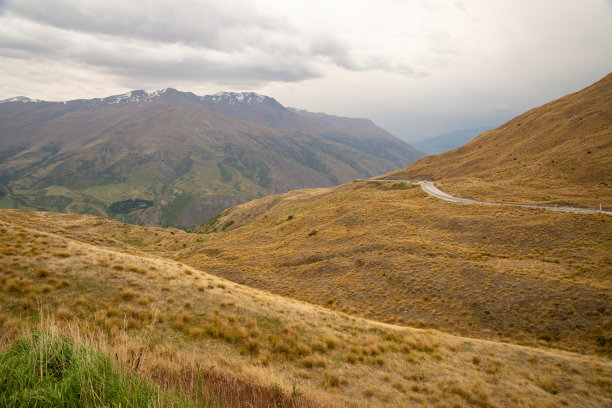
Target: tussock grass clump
x=138, y=269
x=313, y=362
x=46, y=370
x=334, y=379
x=63, y=313
x=331, y=341
x=127, y=294
x=18, y=286
x=41, y=272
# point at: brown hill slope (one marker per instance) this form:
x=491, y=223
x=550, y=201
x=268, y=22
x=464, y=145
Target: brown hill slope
x=558, y=152
x=395, y=254
x=186, y=329
x=392, y=253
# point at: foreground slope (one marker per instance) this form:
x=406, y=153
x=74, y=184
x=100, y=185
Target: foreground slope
x=172, y=158
x=170, y=321
x=559, y=152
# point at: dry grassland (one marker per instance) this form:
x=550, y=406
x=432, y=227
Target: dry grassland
x=173, y=323
x=520, y=275
x=393, y=254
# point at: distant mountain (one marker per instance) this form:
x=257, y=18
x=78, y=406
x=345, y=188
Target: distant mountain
x=561, y=152
x=447, y=141
x=175, y=158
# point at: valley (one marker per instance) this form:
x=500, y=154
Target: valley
x=382, y=291
x=397, y=255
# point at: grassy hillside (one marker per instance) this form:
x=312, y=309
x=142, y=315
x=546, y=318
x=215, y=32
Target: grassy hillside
x=560, y=152
x=196, y=333
x=390, y=252
x=387, y=251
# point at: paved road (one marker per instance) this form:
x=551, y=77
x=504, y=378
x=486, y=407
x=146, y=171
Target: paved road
x=429, y=188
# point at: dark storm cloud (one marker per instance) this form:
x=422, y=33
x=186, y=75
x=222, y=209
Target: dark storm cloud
x=227, y=42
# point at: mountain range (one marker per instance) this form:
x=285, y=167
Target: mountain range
x=175, y=158
x=447, y=141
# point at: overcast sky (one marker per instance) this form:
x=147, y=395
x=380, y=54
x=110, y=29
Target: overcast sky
x=418, y=68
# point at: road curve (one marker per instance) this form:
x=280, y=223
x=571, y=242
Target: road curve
x=429, y=188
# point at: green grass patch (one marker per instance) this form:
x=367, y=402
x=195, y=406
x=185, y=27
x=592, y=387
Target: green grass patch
x=105, y=192
x=132, y=241
x=6, y=202
x=173, y=210
x=47, y=370
x=303, y=209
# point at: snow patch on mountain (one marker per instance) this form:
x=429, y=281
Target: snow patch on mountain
x=233, y=98
x=250, y=99
x=136, y=96
x=22, y=99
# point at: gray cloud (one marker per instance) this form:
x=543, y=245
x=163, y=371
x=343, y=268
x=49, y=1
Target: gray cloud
x=227, y=25
x=231, y=42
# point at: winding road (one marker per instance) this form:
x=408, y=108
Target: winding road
x=429, y=188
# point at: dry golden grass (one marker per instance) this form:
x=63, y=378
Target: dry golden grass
x=521, y=275
x=255, y=337
x=395, y=254
x=559, y=153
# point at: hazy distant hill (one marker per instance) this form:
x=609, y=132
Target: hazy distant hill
x=447, y=141
x=175, y=158
x=561, y=151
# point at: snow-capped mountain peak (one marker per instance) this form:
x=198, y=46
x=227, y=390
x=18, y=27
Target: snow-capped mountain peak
x=138, y=95
x=233, y=98
x=22, y=99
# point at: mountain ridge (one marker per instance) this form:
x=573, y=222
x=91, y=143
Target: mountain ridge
x=170, y=148
x=448, y=141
